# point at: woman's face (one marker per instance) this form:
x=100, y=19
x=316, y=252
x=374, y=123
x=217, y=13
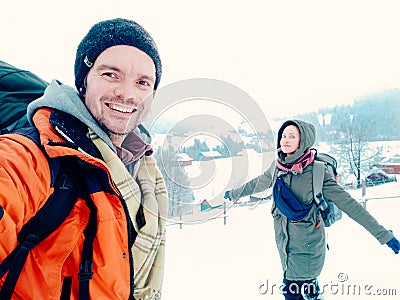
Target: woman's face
x=290, y=140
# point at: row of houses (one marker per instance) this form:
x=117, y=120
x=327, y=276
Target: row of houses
x=390, y=165
x=183, y=159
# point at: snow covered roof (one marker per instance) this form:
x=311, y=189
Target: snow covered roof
x=210, y=154
x=183, y=157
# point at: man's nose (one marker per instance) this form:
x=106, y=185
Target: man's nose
x=127, y=91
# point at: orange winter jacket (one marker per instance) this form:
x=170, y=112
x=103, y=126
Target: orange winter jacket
x=25, y=185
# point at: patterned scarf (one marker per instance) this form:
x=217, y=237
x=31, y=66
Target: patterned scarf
x=298, y=166
x=149, y=247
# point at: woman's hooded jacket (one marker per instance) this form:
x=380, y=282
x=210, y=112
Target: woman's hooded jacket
x=301, y=244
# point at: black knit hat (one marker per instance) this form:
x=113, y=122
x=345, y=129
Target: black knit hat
x=106, y=34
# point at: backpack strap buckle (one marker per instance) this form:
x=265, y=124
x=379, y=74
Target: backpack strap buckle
x=85, y=269
x=65, y=183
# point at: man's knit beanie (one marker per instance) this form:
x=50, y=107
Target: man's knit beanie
x=106, y=34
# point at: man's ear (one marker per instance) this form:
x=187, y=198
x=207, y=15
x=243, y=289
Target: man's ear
x=82, y=89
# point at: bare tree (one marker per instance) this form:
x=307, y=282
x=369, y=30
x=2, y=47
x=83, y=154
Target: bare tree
x=180, y=194
x=351, y=138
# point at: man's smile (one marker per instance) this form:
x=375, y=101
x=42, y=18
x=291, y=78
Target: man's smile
x=121, y=108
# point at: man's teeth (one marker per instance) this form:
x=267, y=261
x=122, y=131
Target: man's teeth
x=121, y=108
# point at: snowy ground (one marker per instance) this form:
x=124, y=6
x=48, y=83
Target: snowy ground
x=239, y=260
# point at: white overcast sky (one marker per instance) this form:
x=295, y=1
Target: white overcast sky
x=289, y=56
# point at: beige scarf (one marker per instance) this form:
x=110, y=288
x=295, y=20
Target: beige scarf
x=149, y=247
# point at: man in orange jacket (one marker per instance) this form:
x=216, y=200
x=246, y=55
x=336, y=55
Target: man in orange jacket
x=98, y=129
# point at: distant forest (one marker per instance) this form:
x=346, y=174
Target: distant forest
x=378, y=115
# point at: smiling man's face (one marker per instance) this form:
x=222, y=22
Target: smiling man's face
x=120, y=89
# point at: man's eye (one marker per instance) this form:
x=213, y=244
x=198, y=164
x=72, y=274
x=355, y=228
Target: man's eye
x=109, y=74
x=144, y=82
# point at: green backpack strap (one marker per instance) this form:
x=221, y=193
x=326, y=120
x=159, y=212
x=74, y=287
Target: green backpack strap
x=318, y=180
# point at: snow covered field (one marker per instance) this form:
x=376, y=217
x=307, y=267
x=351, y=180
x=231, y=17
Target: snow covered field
x=239, y=260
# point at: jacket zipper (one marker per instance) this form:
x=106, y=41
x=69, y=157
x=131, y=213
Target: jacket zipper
x=128, y=221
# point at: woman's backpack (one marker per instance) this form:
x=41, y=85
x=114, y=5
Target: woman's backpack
x=293, y=209
x=329, y=211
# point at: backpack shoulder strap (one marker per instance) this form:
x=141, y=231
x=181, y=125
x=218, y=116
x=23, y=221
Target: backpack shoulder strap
x=39, y=227
x=318, y=172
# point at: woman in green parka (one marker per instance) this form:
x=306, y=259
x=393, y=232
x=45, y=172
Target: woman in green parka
x=301, y=242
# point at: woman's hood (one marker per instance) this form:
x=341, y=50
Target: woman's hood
x=307, y=139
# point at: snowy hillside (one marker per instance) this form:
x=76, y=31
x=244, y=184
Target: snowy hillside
x=239, y=260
